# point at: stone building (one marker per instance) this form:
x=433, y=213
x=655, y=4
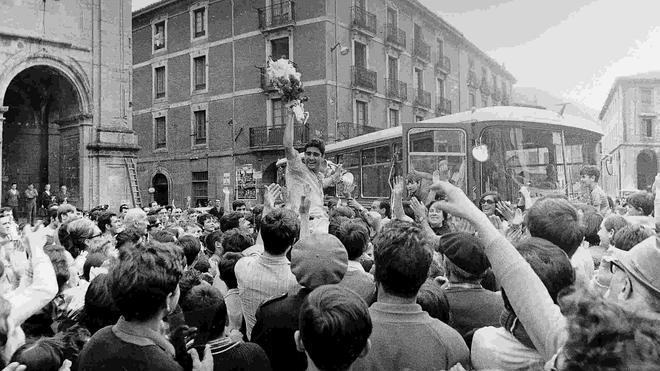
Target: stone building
x=65, y=89
x=631, y=141
x=207, y=119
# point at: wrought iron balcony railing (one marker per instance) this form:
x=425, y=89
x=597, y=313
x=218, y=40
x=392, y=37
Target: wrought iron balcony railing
x=443, y=65
x=396, y=89
x=396, y=36
x=443, y=107
x=422, y=50
x=363, y=20
x=364, y=78
x=422, y=99
x=472, y=80
x=272, y=136
x=278, y=15
x=348, y=130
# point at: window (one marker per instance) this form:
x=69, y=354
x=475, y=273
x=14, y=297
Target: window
x=279, y=48
x=429, y=149
x=351, y=163
x=394, y=117
x=361, y=4
x=441, y=49
x=647, y=127
x=376, y=163
x=472, y=96
x=200, y=127
x=199, y=72
x=391, y=18
x=360, y=51
x=646, y=96
x=440, y=86
x=361, y=108
x=159, y=36
x=278, y=112
x=484, y=101
x=419, y=79
x=200, y=188
x=159, y=82
x=199, y=22
x=419, y=118
x=161, y=132
x=392, y=68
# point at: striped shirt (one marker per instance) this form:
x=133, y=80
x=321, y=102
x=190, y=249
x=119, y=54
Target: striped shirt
x=259, y=278
x=297, y=176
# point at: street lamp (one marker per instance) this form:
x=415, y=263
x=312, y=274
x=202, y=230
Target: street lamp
x=343, y=51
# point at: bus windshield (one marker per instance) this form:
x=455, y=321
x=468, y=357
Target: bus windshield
x=432, y=149
x=544, y=160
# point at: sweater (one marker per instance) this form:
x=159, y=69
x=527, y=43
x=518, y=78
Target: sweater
x=232, y=356
x=472, y=307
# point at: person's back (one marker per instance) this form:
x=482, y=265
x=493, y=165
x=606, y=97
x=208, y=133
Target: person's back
x=229, y=355
x=404, y=336
x=354, y=235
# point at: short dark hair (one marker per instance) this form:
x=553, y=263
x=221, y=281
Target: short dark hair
x=335, y=326
x=163, y=236
x=431, y=297
x=191, y=248
x=93, y=260
x=279, y=229
x=557, y=221
x=342, y=210
x=335, y=223
x=99, y=310
x=591, y=224
x=230, y=220
x=226, y=268
x=58, y=259
x=189, y=279
x=204, y=308
x=236, y=204
x=614, y=222
x=104, y=220
x=385, y=204
x=402, y=255
x=64, y=209
x=550, y=264
x=202, y=218
x=46, y=354
x=642, y=200
x=629, y=236
x=355, y=238
x=316, y=143
x=128, y=235
x=211, y=239
x=590, y=170
x=236, y=240
x=144, y=277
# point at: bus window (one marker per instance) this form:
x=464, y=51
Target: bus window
x=432, y=149
x=376, y=164
x=351, y=163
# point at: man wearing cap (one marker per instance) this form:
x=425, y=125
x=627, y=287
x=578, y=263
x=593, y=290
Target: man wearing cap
x=319, y=259
x=636, y=276
x=471, y=306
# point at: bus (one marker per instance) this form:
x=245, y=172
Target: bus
x=499, y=148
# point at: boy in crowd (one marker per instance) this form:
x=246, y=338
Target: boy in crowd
x=334, y=328
x=594, y=195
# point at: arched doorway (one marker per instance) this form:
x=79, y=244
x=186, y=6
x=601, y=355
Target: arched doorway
x=161, y=185
x=647, y=168
x=40, y=135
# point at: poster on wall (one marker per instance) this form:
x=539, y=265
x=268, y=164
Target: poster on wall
x=246, y=183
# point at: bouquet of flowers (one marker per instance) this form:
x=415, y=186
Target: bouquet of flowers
x=283, y=75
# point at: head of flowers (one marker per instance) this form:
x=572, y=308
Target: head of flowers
x=284, y=77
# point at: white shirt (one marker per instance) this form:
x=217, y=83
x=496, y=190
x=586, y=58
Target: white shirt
x=494, y=348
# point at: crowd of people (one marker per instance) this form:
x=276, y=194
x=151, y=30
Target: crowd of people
x=317, y=283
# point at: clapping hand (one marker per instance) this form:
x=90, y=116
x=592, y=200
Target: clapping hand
x=273, y=191
x=418, y=208
x=505, y=210
x=461, y=225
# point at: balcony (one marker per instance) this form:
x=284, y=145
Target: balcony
x=396, y=36
x=270, y=137
x=363, y=20
x=443, y=65
x=397, y=90
x=363, y=78
x=484, y=87
x=422, y=50
x=277, y=15
x=422, y=99
x=348, y=130
x=472, y=80
x=443, y=107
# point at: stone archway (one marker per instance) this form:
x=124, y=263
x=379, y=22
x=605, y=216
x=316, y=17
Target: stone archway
x=40, y=134
x=647, y=168
x=161, y=187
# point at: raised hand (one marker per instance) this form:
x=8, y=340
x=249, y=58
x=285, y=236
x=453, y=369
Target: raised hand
x=456, y=202
x=517, y=217
x=506, y=211
x=461, y=225
x=443, y=172
x=418, y=208
x=497, y=222
x=273, y=191
x=398, y=185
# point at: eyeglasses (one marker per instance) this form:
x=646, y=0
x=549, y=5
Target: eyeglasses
x=488, y=201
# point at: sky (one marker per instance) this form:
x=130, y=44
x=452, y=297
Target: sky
x=572, y=49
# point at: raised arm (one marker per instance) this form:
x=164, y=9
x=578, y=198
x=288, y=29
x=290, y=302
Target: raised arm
x=528, y=296
x=656, y=202
x=291, y=153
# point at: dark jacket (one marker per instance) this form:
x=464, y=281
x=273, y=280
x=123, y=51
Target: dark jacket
x=45, y=199
x=277, y=321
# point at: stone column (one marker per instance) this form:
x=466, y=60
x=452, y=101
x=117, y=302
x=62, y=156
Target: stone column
x=3, y=109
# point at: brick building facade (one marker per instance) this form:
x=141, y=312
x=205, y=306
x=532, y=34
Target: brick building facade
x=206, y=118
x=631, y=141
x=65, y=117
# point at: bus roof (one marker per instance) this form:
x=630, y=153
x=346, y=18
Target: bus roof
x=494, y=113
